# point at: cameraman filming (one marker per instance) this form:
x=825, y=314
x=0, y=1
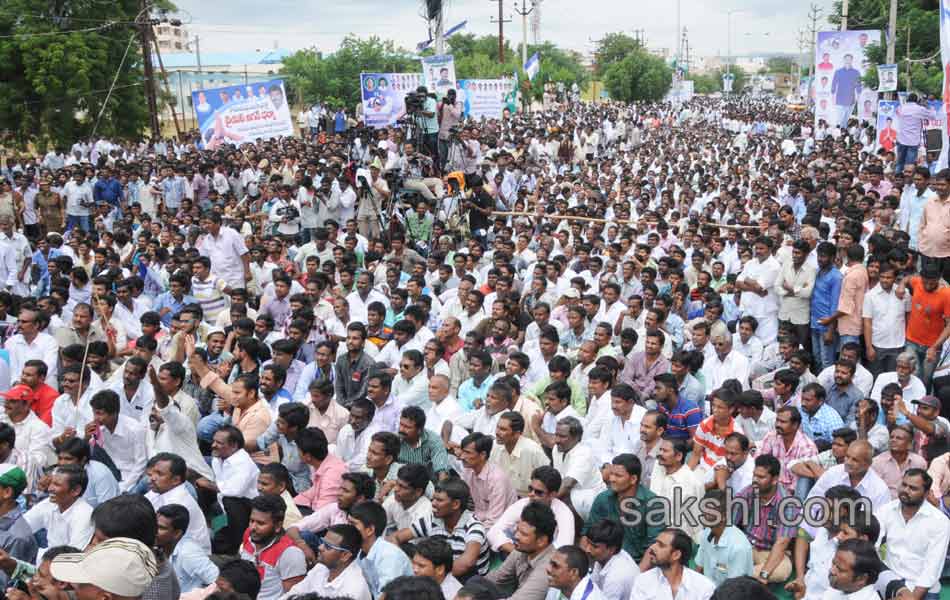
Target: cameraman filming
x=450, y=113
x=417, y=169
x=372, y=191
x=430, y=122
x=471, y=151
x=285, y=213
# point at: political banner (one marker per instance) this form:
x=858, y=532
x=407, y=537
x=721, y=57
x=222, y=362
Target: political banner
x=887, y=78
x=384, y=96
x=939, y=124
x=242, y=113
x=439, y=73
x=867, y=105
x=840, y=63
x=484, y=97
x=888, y=121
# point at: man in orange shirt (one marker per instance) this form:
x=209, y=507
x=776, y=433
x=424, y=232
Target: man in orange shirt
x=928, y=319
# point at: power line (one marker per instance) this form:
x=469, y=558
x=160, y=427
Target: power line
x=65, y=32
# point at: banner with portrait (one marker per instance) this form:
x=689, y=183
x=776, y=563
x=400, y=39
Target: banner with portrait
x=887, y=78
x=384, y=96
x=867, y=105
x=484, y=97
x=840, y=64
x=888, y=122
x=242, y=113
x=439, y=73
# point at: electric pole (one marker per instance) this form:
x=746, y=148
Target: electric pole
x=524, y=12
x=892, y=39
x=844, y=15
x=440, y=31
x=161, y=65
x=640, y=36
x=145, y=33
x=814, y=13
x=501, y=29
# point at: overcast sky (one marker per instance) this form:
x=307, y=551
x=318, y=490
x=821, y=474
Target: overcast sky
x=757, y=25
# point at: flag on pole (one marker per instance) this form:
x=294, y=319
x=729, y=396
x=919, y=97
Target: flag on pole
x=533, y=65
x=423, y=45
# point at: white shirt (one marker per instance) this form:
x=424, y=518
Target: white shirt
x=578, y=464
x=225, y=252
x=915, y=549
x=44, y=348
x=70, y=528
x=359, y=307
x=757, y=430
x=503, y=531
x=690, y=484
x=615, y=577
x=653, y=585
x=735, y=366
x=585, y=589
x=414, y=392
x=868, y=592
x=236, y=476
x=821, y=551
x=624, y=436
x=350, y=583
x=738, y=480
x=765, y=273
x=352, y=448
x=752, y=350
x=197, y=529
x=478, y=421
x=915, y=389
x=126, y=448
x=66, y=414
x=887, y=315
x=139, y=406
x=437, y=414
x=871, y=487
x=400, y=517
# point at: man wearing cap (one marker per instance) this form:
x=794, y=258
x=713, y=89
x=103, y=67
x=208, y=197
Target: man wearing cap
x=33, y=436
x=120, y=567
x=932, y=435
x=16, y=537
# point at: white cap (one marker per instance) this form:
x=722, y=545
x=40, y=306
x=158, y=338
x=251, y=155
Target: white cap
x=121, y=566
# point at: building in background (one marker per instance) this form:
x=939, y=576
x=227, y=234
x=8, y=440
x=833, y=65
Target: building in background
x=171, y=38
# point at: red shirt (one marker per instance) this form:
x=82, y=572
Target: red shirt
x=44, y=398
x=451, y=349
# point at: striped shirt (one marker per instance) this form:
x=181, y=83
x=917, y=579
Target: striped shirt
x=430, y=452
x=714, y=446
x=766, y=527
x=210, y=296
x=468, y=529
x=684, y=417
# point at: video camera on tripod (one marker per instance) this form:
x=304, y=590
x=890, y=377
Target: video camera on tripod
x=415, y=102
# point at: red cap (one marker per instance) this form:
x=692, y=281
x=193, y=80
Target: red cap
x=20, y=391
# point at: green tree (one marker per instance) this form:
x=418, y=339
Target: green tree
x=780, y=64
x=917, y=21
x=706, y=84
x=57, y=62
x=334, y=79
x=613, y=48
x=639, y=76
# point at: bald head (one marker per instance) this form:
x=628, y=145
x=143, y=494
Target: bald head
x=858, y=459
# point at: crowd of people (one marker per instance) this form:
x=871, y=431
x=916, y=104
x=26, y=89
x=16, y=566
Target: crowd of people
x=603, y=352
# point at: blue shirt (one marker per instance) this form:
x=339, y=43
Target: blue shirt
x=822, y=424
x=385, y=562
x=844, y=401
x=824, y=297
x=684, y=415
x=730, y=556
x=693, y=390
x=192, y=566
x=102, y=484
x=431, y=123
x=107, y=190
x=845, y=85
x=166, y=300
x=469, y=392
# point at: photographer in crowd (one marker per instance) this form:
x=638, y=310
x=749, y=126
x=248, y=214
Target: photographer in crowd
x=417, y=171
x=450, y=113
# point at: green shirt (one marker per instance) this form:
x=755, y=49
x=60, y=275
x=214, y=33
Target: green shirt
x=430, y=453
x=637, y=537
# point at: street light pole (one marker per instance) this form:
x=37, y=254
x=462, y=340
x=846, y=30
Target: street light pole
x=524, y=12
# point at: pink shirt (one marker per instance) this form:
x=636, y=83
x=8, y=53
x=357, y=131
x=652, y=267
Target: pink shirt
x=851, y=301
x=492, y=492
x=801, y=447
x=327, y=480
x=934, y=237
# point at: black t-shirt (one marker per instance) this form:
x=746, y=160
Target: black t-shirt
x=476, y=219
